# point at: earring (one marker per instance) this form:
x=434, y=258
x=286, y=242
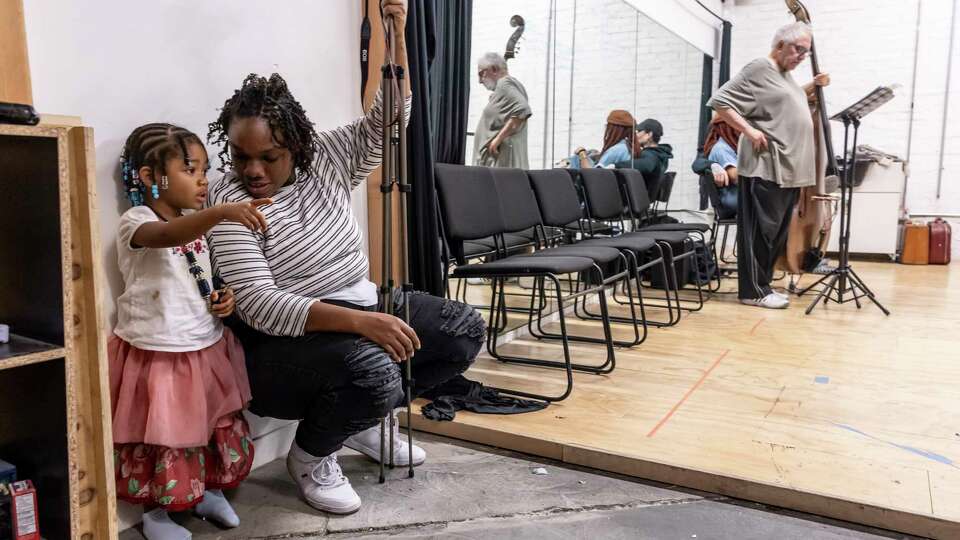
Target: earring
x=154, y=191
x=164, y=182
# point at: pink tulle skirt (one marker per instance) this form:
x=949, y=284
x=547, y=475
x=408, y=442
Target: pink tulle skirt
x=175, y=399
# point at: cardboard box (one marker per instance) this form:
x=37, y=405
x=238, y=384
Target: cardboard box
x=26, y=525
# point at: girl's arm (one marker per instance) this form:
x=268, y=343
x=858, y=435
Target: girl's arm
x=179, y=231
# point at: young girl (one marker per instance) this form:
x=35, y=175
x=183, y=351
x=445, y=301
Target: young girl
x=177, y=377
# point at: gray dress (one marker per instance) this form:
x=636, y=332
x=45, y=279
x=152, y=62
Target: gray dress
x=508, y=100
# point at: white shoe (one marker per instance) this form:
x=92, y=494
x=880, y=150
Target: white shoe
x=770, y=301
x=785, y=296
x=322, y=482
x=368, y=442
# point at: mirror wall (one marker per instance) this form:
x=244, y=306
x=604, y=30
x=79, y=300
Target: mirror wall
x=580, y=59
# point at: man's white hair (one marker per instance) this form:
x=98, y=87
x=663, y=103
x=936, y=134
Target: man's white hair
x=492, y=59
x=791, y=33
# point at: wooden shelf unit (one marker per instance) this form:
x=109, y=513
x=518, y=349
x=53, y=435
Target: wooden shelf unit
x=54, y=390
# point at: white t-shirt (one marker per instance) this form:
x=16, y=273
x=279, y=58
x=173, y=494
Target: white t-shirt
x=161, y=308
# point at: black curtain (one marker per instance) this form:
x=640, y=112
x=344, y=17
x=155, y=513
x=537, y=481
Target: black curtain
x=438, y=53
x=450, y=75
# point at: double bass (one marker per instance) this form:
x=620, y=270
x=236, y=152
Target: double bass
x=511, y=49
x=809, y=231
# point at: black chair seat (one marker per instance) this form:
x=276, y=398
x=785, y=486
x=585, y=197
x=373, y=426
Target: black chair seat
x=671, y=237
x=699, y=227
x=637, y=244
x=597, y=226
x=525, y=265
x=517, y=239
x=475, y=249
x=599, y=254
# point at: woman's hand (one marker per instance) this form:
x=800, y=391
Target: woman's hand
x=721, y=179
x=222, y=303
x=391, y=333
x=757, y=139
x=398, y=10
x=245, y=213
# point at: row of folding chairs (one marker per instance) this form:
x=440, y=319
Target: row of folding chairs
x=586, y=237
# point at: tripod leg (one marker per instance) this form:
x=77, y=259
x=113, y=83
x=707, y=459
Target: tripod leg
x=383, y=441
x=392, y=421
x=820, y=296
x=856, y=279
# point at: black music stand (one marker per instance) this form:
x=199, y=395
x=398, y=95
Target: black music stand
x=843, y=280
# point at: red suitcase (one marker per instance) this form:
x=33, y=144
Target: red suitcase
x=939, y=242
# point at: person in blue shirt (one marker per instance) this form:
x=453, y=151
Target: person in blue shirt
x=617, y=142
x=719, y=147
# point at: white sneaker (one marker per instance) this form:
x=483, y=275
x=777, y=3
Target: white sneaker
x=322, y=482
x=368, y=442
x=783, y=295
x=770, y=301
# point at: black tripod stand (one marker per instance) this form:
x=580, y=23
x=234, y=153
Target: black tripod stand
x=842, y=284
x=394, y=175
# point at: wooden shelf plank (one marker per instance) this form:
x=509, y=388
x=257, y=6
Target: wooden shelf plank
x=21, y=351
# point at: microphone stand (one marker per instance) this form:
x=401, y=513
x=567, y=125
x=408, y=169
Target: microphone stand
x=394, y=175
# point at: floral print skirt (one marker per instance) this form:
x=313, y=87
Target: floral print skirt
x=175, y=478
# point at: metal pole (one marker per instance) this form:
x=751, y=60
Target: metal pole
x=546, y=86
x=913, y=104
x=386, y=190
x=573, y=55
x=406, y=286
x=553, y=111
x=946, y=95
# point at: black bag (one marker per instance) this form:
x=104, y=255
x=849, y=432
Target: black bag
x=705, y=269
x=682, y=267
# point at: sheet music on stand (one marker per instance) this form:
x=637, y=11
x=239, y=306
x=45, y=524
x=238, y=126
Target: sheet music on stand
x=866, y=105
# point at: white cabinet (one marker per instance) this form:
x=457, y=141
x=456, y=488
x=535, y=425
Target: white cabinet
x=875, y=217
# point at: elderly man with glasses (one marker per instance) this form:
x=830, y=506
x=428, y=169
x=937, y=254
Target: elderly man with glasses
x=501, y=136
x=775, y=155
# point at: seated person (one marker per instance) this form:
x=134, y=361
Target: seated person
x=616, y=143
x=652, y=158
x=719, y=147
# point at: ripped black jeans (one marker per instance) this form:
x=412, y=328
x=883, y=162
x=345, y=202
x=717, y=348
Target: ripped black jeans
x=340, y=384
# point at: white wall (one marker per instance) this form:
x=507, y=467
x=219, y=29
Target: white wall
x=120, y=64
x=867, y=44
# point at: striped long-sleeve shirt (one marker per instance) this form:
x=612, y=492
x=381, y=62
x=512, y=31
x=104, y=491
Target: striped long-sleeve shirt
x=313, y=245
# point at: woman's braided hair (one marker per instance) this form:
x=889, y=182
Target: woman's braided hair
x=151, y=145
x=271, y=100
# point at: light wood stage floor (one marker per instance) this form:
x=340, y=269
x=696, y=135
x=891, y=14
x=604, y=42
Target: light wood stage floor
x=844, y=413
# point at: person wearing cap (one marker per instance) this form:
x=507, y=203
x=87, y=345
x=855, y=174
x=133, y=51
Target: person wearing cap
x=617, y=142
x=650, y=157
x=500, y=139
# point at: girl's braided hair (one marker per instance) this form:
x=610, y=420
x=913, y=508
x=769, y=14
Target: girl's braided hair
x=151, y=145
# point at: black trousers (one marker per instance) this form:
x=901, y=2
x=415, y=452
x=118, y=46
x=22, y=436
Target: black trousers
x=763, y=218
x=340, y=384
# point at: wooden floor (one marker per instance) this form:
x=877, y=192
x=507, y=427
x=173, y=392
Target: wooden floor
x=844, y=413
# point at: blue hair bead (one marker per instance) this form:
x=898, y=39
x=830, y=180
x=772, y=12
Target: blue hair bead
x=155, y=191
